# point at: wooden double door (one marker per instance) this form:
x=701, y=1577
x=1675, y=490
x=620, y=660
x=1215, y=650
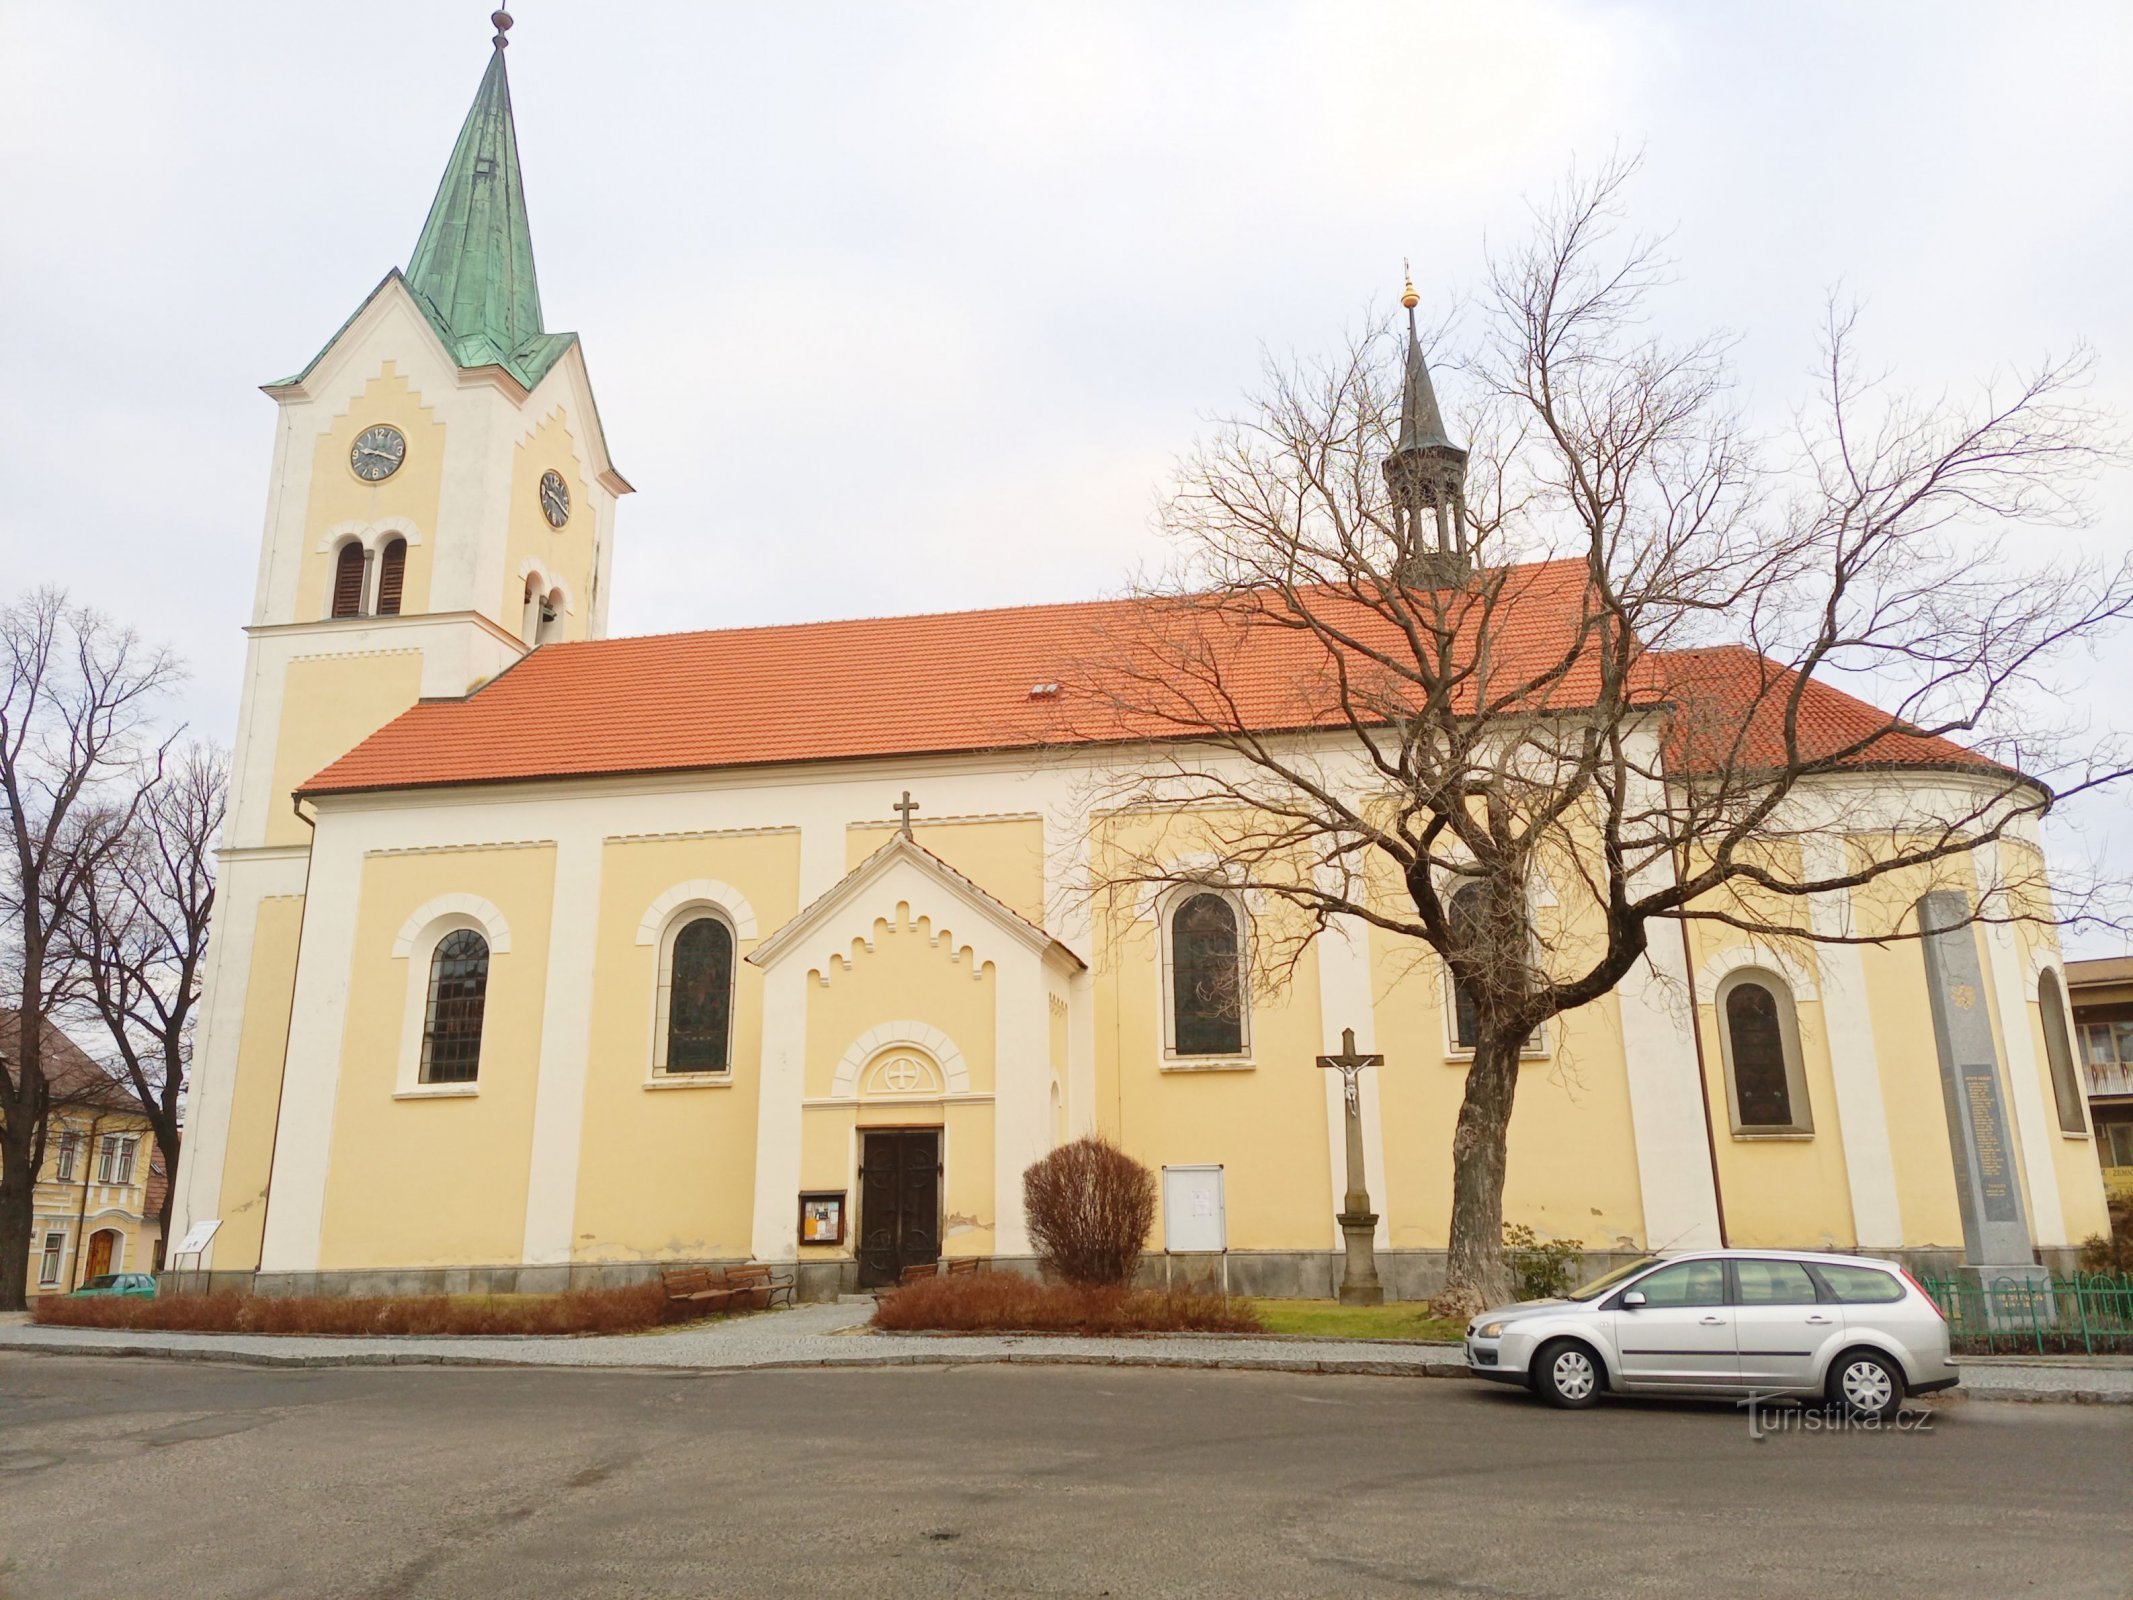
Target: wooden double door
x=899, y=1202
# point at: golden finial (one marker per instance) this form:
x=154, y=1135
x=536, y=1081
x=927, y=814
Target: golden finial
x=1408, y=297
x=502, y=22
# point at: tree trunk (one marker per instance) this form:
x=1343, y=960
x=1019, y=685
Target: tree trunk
x=18, y=1218
x=1476, y=1276
x=170, y=1196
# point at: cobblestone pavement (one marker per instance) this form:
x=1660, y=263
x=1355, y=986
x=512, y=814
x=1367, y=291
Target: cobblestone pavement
x=835, y=1335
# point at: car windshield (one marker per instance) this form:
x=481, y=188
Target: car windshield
x=1607, y=1280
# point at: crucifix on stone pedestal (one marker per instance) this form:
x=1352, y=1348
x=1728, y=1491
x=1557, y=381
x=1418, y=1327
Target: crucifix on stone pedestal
x=1359, y=1281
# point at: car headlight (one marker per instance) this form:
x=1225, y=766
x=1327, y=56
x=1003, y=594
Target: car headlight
x=1489, y=1330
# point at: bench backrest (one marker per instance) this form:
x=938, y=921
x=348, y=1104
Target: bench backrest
x=688, y=1280
x=742, y=1276
x=914, y=1274
x=963, y=1264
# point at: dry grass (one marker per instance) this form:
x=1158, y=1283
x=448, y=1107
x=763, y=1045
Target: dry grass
x=624, y=1310
x=1006, y=1302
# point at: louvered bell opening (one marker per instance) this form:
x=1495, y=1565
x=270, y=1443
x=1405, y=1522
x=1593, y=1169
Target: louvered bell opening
x=348, y=582
x=392, y=569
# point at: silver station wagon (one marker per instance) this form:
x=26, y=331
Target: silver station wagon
x=1859, y=1333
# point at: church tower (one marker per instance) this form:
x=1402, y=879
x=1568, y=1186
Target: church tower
x=1426, y=474
x=441, y=502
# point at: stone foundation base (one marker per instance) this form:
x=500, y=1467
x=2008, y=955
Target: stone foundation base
x=1408, y=1275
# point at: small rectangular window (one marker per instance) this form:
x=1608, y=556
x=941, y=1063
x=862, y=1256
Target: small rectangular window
x=107, y=1158
x=48, y=1267
x=125, y=1162
x=2122, y=1041
x=2096, y=1043
x=1860, y=1286
x=69, y=1155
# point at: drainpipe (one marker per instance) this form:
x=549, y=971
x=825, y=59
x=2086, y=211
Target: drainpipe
x=1703, y=1082
x=81, y=1213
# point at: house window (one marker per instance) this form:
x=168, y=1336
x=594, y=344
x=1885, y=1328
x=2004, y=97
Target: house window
x=451, y=1024
x=2059, y=1053
x=348, y=581
x=69, y=1155
x=392, y=577
x=48, y=1264
x=1761, y=1037
x=110, y=1155
x=125, y=1161
x=696, y=998
x=1207, y=982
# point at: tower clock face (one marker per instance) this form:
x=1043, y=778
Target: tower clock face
x=555, y=498
x=378, y=453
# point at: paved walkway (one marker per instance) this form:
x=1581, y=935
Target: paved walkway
x=835, y=1335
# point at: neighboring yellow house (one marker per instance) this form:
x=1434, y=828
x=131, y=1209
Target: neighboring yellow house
x=101, y=1186
x=2102, y=995
x=543, y=958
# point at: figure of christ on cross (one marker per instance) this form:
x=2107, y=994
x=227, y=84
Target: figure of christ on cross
x=1359, y=1281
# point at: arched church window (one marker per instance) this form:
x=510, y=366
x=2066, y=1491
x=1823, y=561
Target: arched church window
x=2059, y=1052
x=697, y=998
x=392, y=576
x=348, y=581
x=1467, y=913
x=1762, y=1050
x=1207, y=985
x=459, y=989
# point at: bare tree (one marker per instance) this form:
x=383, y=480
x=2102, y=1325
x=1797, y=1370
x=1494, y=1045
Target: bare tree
x=1395, y=680
x=77, y=756
x=140, y=933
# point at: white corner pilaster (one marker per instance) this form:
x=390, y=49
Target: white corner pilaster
x=1344, y=1001
x=776, y=1227
x=566, y=1035
x=1854, y=1065
x=1021, y=1076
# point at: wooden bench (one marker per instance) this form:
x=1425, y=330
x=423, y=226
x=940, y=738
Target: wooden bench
x=917, y=1272
x=753, y=1287
x=698, y=1288
x=965, y=1264
x=758, y=1285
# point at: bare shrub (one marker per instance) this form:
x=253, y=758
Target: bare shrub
x=622, y=1310
x=1007, y=1302
x=1090, y=1208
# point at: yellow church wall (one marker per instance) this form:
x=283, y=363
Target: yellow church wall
x=2079, y=1176
x=438, y=1180
x=909, y=975
x=329, y=705
x=248, y=1157
x=564, y=555
x=699, y=1139
x=1780, y=1191
x=339, y=497
x=1003, y=856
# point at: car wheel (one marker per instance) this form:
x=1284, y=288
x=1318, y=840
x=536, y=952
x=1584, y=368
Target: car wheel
x=1568, y=1374
x=1866, y=1384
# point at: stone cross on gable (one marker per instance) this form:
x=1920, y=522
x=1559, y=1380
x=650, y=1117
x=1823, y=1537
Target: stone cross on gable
x=903, y=809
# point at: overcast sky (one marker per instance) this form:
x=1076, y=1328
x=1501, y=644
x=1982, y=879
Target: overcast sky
x=910, y=307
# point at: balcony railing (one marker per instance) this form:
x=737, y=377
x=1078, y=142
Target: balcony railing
x=2114, y=1077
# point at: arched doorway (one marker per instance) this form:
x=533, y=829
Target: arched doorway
x=103, y=1244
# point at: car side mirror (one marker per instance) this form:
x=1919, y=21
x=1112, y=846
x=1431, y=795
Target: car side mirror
x=1633, y=1299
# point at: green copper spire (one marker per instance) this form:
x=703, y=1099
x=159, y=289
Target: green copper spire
x=472, y=269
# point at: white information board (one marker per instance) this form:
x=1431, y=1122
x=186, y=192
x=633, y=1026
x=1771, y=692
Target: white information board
x=196, y=1237
x=1192, y=1210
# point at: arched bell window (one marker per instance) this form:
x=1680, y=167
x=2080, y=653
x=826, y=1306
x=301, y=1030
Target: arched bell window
x=348, y=581
x=696, y=997
x=1207, y=981
x=451, y=1024
x=392, y=577
x=1467, y=914
x=2059, y=1053
x=1765, y=1085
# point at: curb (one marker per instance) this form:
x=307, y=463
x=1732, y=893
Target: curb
x=1331, y=1367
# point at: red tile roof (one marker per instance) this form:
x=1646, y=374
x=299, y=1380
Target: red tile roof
x=824, y=691
x=1729, y=712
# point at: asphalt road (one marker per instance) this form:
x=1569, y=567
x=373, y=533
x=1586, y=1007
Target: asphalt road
x=190, y=1481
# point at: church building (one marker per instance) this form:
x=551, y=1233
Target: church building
x=546, y=958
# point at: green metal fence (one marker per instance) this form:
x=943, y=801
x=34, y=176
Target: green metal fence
x=2080, y=1315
